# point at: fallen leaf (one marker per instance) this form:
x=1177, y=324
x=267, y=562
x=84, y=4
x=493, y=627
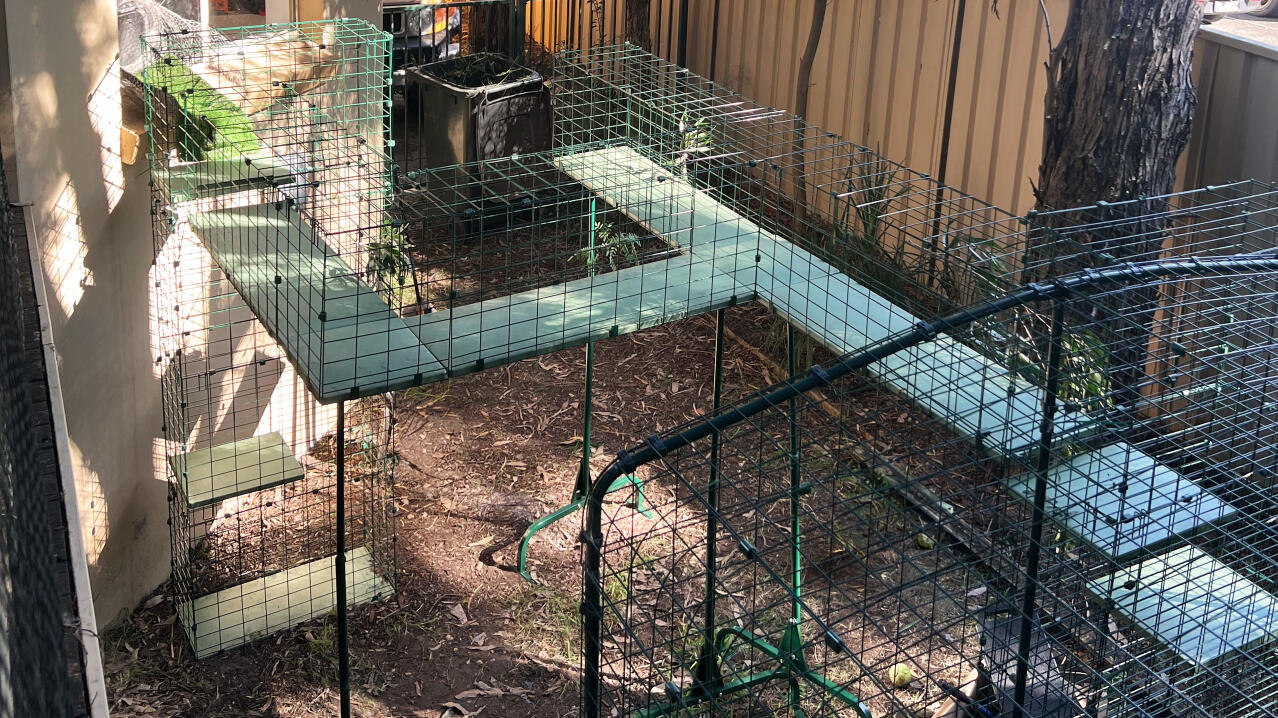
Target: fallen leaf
x=481, y=542
x=976, y=591
x=460, y=614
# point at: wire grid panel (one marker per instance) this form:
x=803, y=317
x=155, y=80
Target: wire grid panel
x=268, y=144
x=270, y=181
x=889, y=537
x=529, y=254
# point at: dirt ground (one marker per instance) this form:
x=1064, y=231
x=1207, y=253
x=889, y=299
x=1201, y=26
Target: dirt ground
x=481, y=457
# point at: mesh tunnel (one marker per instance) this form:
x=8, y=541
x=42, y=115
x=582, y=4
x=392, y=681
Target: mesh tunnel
x=841, y=545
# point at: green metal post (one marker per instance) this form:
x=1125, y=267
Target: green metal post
x=583, y=472
x=581, y=487
x=339, y=567
x=796, y=577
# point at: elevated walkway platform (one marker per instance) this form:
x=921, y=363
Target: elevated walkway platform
x=347, y=342
x=1122, y=503
x=1192, y=603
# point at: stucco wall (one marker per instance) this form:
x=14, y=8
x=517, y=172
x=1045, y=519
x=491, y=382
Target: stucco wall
x=92, y=225
x=91, y=215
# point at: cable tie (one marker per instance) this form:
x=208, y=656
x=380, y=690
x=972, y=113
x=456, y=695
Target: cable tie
x=657, y=444
x=820, y=373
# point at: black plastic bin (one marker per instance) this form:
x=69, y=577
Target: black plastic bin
x=476, y=107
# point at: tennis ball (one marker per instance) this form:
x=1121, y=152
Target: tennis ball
x=900, y=675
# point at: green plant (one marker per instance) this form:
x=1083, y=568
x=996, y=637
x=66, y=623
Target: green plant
x=614, y=246
x=389, y=266
x=695, y=138
x=861, y=232
x=211, y=125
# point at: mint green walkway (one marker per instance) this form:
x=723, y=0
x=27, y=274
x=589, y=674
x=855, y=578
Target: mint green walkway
x=347, y=343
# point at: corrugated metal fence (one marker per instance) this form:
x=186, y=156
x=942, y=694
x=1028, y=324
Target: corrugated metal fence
x=881, y=77
x=1236, y=126
x=888, y=74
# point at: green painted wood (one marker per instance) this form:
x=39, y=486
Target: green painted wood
x=208, y=476
x=223, y=176
x=551, y=318
x=1192, y=603
x=359, y=348
x=257, y=608
x=1122, y=502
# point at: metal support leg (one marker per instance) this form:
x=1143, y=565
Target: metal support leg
x=1029, y=598
x=339, y=568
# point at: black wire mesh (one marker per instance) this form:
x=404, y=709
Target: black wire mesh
x=920, y=515
x=268, y=165
x=871, y=555
x=34, y=679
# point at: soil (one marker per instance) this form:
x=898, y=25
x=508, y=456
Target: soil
x=480, y=458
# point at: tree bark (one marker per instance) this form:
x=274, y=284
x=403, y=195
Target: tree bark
x=1120, y=104
x=637, y=23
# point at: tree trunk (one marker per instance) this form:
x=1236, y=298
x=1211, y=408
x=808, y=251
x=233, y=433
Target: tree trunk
x=1120, y=104
x=637, y=25
x=803, y=82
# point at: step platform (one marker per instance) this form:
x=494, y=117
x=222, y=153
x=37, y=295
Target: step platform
x=209, y=476
x=1192, y=603
x=1160, y=507
x=214, y=177
x=342, y=338
x=244, y=613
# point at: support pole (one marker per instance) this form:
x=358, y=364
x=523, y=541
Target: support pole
x=1045, y=435
x=709, y=679
x=339, y=567
x=796, y=555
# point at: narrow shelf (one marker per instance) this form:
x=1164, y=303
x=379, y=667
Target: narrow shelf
x=211, y=475
x=1192, y=603
x=209, y=178
x=244, y=613
x=343, y=339
x=1159, y=506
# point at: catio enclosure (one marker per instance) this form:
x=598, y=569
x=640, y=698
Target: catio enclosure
x=1037, y=475
x=267, y=163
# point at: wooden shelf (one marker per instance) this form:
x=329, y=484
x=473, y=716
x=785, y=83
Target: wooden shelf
x=208, y=476
x=241, y=614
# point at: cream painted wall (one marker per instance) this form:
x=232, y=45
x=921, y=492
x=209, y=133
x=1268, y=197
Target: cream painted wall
x=92, y=225
x=91, y=215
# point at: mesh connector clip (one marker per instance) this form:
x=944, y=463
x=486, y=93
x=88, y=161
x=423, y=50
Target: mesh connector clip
x=657, y=444
x=833, y=642
x=627, y=461
x=821, y=374
x=926, y=329
x=748, y=550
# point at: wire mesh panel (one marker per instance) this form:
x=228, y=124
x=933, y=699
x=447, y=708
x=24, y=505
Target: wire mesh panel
x=854, y=552
x=34, y=675
x=271, y=185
